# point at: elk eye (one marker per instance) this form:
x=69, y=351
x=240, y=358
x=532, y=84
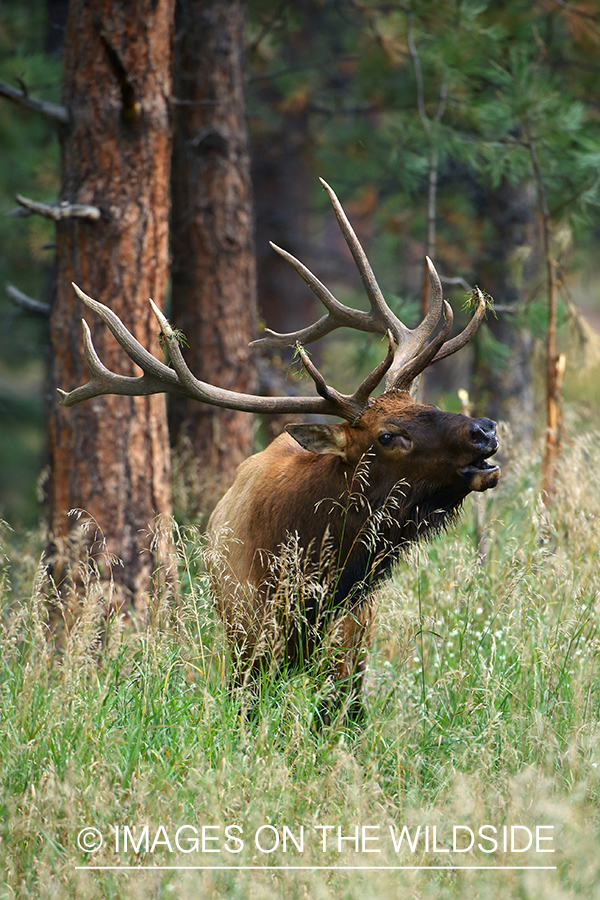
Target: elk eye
x=386, y=438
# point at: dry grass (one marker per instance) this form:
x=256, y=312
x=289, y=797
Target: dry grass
x=483, y=699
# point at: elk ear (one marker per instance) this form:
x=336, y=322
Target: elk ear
x=320, y=438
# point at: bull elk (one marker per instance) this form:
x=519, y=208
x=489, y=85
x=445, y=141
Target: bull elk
x=313, y=522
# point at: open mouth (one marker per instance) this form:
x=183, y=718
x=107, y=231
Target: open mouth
x=479, y=465
x=479, y=475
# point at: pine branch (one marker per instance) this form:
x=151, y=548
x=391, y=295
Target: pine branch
x=26, y=302
x=55, y=111
x=58, y=211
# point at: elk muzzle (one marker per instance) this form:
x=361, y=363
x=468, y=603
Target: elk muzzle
x=479, y=474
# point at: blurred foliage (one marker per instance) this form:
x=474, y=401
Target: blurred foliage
x=29, y=151
x=430, y=110
x=387, y=94
x=384, y=87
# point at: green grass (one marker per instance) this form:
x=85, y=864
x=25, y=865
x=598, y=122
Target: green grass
x=483, y=707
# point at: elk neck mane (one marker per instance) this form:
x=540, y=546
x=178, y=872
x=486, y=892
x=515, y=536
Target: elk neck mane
x=329, y=503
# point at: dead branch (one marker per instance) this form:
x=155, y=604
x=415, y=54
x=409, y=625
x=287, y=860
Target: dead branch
x=575, y=11
x=58, y=211
x=460, y=281
x=26, y=302
x=55, y=111
x=429, y=125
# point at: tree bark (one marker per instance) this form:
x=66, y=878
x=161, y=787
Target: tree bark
x=213, y=268
x=110, y=456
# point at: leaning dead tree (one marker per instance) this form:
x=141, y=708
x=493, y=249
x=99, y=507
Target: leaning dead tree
x=555, y=361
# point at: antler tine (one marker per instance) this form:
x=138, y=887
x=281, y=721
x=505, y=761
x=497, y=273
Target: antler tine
x=402, y=378
x=379, y=308
x=366, y=388
x=350, y=406
x=436, y=308
x=467, y=333
x=414, y=351
x=416, y=339
x=338, y=314
x=132, y=347
x=103, y=381
x=307, y=335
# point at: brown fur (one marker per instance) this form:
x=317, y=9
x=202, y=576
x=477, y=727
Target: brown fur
x=303, y=535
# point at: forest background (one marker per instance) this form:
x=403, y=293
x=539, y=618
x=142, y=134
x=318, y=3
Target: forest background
x=459, y=129
x=466, y=130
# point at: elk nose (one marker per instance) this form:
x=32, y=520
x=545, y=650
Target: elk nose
x=483, y=432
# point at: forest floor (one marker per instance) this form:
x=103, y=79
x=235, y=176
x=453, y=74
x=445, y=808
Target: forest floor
x=476, y=772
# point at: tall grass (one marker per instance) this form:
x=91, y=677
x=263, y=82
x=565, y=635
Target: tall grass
x=483, y=707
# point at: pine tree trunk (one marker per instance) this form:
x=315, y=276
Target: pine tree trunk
x=213, y=269
x=110, y=456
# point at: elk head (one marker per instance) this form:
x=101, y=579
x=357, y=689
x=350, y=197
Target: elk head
x=412, y=443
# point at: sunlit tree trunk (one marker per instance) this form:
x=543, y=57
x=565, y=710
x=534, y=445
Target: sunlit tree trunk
x=110, y=456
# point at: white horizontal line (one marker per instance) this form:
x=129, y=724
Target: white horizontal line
x=315, y=868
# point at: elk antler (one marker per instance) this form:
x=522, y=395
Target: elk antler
x=415, y=348
x=160, y=378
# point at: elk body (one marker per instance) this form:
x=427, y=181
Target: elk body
x=346, y=499
x=312, y=523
